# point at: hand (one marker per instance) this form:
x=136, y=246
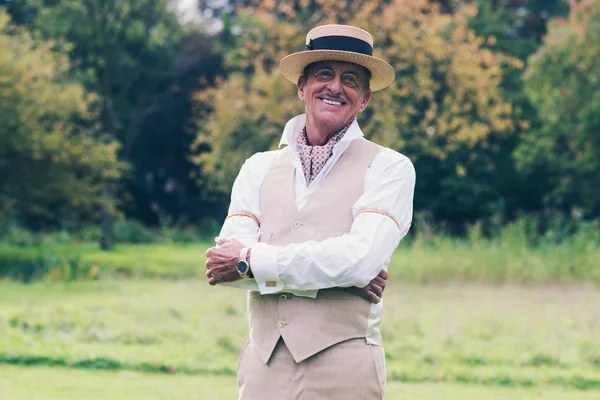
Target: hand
x=374, y=290
x=222, y=261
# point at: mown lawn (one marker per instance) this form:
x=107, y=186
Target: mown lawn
x=469, y=338
x=43, y=383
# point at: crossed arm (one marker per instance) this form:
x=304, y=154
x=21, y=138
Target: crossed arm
x=221, y=261
x=355, y=261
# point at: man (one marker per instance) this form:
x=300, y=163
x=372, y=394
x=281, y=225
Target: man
x=311, y=229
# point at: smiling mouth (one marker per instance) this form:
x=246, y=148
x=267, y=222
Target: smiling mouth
x=332, y=102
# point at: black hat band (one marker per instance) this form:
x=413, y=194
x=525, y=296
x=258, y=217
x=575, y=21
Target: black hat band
x=344, y=43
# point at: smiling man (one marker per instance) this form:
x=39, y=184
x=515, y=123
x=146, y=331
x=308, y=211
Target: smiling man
x=311, y=229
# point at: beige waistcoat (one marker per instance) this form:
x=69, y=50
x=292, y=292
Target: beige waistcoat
x=309, y=325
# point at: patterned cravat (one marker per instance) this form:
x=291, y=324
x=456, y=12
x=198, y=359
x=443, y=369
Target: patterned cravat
x=313, y=158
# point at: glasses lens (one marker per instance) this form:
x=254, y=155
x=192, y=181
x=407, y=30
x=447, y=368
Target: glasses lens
x=350, y=80
x=324, y=75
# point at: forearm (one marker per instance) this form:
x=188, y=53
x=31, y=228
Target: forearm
x=353, y=259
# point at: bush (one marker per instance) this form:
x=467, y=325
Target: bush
x=15, y=235
x=44, y=262
x=177, y=235
x=26, y=265
x=128, y=231
x=90, y=234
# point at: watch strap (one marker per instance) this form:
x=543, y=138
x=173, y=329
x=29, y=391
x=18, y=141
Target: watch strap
x=244, y=255
x=243, y=258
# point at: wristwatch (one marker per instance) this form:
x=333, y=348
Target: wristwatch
x=242, y=266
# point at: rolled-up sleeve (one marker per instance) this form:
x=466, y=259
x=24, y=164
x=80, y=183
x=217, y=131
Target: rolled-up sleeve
x=243, y=221
x=383, y=216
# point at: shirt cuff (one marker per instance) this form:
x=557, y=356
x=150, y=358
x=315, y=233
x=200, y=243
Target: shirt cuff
x=263, y=263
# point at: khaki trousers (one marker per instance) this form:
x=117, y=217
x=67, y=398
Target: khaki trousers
x=348, y=370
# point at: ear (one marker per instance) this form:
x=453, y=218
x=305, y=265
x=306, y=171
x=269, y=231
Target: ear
x=301, y=84
x=366, y=96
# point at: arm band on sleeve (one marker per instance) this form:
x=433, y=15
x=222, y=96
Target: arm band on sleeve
x=373, y=210
x=243, y=214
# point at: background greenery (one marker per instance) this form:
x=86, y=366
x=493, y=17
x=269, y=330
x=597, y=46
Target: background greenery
x=124, y=123
x=494, y=102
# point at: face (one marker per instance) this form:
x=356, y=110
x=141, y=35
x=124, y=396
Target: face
x=332, y=105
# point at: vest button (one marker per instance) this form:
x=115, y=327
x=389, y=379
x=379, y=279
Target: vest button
x=281, y=324
x=283, y=297
x=297, y=224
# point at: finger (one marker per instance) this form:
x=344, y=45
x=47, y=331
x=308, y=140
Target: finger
x=371, y=296
x=206, y=264
x=379, y=281
x=362, y=292
x=209, y=274
x=383, y=274
x=212, y=281
x=374, y=297
x=376, y=289
x=209, y=251
x=365, y=293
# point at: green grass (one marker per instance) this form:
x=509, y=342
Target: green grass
x=440, y=260
x=498, y=262
x=126, y=260
x=499, y=336
x=20, y=383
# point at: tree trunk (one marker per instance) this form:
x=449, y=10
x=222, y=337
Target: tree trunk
x=107, y=241
x=110, y=124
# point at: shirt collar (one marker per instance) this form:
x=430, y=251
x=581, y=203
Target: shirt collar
x=294, y=128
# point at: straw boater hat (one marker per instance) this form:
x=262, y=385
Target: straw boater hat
x=339, y=43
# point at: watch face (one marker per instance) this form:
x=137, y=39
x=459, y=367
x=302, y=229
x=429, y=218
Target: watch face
x=242, y=267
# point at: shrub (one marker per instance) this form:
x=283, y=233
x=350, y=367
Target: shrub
x=128, y=231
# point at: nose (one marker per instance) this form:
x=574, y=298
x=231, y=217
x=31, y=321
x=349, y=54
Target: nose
x=335, y=85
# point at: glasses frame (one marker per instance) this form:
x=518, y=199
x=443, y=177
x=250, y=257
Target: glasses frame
x=316, y=74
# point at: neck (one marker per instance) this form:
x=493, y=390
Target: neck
x=320, y=135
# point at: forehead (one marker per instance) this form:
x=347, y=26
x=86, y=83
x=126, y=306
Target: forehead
x=341, y=66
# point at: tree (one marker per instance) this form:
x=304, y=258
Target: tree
x=516, y=28
x=444, y=111
x=52, y=160
x=123, y=50
x=145, y=64
x=563, y=83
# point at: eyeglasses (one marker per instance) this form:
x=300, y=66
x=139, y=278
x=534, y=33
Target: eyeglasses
x=348, y=78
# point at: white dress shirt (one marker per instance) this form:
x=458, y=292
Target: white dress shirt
x=353, y=259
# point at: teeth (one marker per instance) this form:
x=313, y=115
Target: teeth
x=333, y=103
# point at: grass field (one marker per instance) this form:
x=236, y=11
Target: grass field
x=42, y=383
x=509, y=260
x=159, y=339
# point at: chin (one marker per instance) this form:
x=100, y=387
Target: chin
x=331, y=118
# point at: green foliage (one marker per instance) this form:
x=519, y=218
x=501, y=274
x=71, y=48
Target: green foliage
x=563, y=82
x=51, y=156
x=444, y=111
x=15, y=235
x=143, y=64
x=127, y=231
x=101, y=78
x=55, y=263
x=546, y=250
x=49, y=261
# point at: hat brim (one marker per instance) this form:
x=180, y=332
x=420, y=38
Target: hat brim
x=382, y=73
